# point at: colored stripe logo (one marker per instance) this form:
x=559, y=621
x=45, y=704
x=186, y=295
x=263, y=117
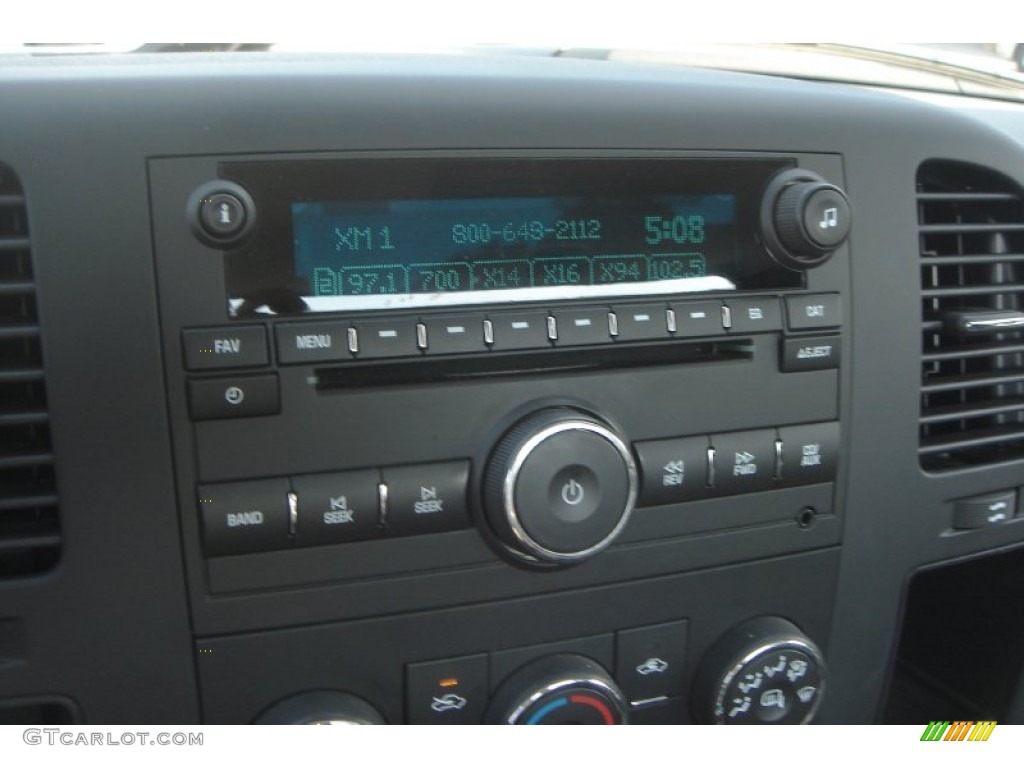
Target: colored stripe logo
x=958, y=730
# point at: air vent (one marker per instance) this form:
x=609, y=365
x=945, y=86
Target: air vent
x=29, y=530
x=972, y=287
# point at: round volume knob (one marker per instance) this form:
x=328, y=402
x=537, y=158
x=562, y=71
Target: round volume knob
x=803, y=219
x=559, y=487
x=559, y=690
x=763, y=672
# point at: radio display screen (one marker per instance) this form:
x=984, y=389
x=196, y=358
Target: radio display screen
x=423, y=234
x=468, y=247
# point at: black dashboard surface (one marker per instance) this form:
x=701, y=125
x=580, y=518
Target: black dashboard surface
x=134, y=624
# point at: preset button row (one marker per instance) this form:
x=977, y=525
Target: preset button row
x=245, y=346
x=334, y=507
x=344, y=339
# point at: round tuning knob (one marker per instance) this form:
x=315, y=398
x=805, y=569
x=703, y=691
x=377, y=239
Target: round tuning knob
x=804, y=219
x=321, y=708
x=764, y=671
x=559, y=690
x=559, y=487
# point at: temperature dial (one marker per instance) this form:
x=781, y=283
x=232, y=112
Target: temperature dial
x=559, y=690
x=321, y=708
x=762, y=672
x=559, y=487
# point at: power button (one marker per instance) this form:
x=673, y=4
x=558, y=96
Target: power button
x=560, y=487
x=572, y=492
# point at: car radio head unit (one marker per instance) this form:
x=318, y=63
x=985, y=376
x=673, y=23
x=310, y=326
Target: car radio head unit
x=353, y=235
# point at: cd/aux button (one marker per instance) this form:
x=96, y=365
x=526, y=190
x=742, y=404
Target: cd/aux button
x=810, y=453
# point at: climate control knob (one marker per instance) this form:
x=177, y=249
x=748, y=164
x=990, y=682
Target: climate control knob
x=321, y=708
x=804, y=219
x=565, y=689
x=763, y=672
x=559, y=487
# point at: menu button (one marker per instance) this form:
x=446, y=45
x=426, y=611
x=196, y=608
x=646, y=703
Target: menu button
x=312, y=342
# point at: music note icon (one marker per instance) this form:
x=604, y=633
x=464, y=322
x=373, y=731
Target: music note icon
x=830, y=218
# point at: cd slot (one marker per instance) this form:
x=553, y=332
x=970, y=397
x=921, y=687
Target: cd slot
x=407, y=371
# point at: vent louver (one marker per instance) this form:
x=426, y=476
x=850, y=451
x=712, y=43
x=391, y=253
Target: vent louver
x=971, y=224
x=29, y=529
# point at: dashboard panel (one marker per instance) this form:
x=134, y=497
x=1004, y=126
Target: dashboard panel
x=376, y=389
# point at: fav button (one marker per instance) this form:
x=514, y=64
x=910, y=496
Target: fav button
x=240, y=346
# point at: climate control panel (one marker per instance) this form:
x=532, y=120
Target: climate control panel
x=762, y=671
